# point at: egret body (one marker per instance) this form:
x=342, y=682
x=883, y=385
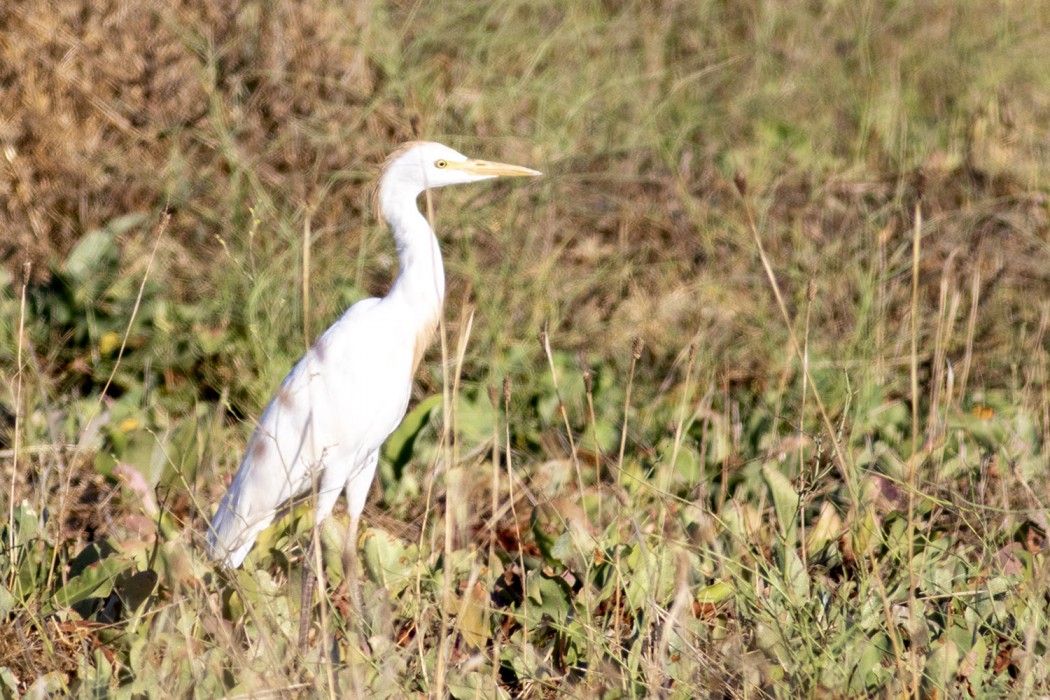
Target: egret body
x=324, y=427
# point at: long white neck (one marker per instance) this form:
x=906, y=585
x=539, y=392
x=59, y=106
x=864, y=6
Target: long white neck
x=420, y=280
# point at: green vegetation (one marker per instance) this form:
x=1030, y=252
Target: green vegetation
x=683, y=489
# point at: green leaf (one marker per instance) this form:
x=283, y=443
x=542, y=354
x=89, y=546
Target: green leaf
x=550, y=594
x=184, y=452
x=562, y=549
x=687, y=466
x=91, y=250
x=398, y=447
x=472, y=616
x=95, y=581
x=389, y=561
x=785, y=501
x=136, y=589
x=333, y=543
x=476, y=683
x=941, y=666
x=9, y=682
x=714, y=593
x=7, y=601
x=870, y=662
x=98, y=248
x=795, y=575
x=474, y=419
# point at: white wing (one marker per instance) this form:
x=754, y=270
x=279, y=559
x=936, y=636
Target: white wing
x=335, y=408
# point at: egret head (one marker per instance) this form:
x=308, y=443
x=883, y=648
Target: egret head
x=422, y=165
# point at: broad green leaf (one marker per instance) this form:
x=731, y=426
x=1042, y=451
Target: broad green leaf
x=863, y=533
x=390, y=562
x=785, y=501
x=9, y=682
x=689, y=465
x=549, y=594
x=827, y=529
x=472, y=616
x=26, y=522
x=7, y=601
x=95, y=581
x=652, y=577
x=183, y=452
x=398, y=447
x=333, y=543
x=474, y=419
x=941, y=666
x=796, y=576
x=714, y=593
x=873, y=655
x=136, y=590
x=562, y=549
x=90, y=251
x=473, y=684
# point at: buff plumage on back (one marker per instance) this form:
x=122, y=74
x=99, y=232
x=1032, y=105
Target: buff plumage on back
x=377, y=209
x=426, y=332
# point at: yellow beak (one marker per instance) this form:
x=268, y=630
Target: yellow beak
x=492, y=169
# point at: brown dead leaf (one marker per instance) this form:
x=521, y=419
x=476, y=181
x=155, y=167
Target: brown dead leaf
x=1003, y=660
x=705, y=611
x=885, y=495
x=1008, y=561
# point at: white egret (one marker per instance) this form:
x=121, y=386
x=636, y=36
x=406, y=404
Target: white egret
x=323, y=429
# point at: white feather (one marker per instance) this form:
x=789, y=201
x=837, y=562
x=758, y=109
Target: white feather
x=323, y=429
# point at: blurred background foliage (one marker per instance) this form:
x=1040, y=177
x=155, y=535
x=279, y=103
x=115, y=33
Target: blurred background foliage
x=673, y=514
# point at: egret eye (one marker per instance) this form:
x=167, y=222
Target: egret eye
x=440, y=163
